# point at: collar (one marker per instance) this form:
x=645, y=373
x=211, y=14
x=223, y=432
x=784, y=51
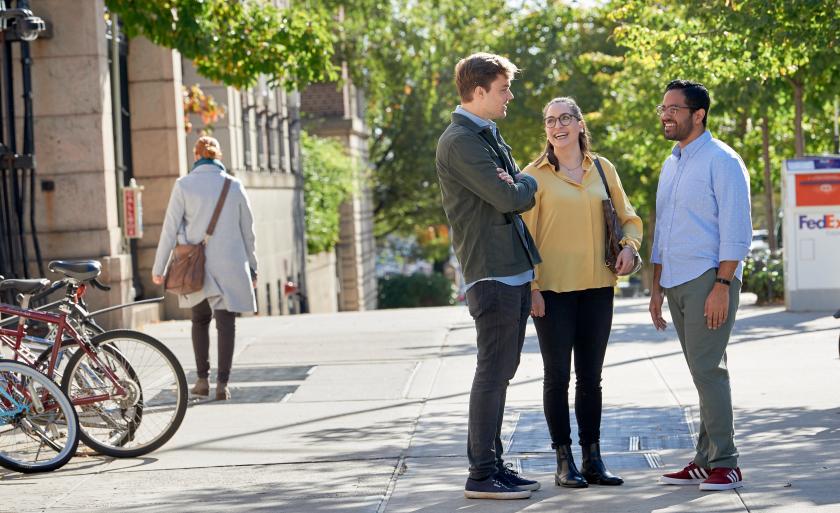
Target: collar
x=693, y=147
x=542, y=161
x=475, y=122
x=212, y=162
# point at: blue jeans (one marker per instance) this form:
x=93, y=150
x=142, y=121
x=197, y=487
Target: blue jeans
x=501, y=314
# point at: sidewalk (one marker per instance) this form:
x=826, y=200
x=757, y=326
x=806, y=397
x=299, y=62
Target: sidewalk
x=366, y=412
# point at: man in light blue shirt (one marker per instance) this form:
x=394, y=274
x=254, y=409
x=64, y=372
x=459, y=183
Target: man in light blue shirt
x=703, y=232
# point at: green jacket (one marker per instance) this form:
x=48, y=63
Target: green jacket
x=489, y=237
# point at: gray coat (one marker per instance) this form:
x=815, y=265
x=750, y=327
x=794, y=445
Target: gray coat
x=230, y=252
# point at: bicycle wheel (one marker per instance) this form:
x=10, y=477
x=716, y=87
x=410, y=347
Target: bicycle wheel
x=156, y=393
x=39, y=430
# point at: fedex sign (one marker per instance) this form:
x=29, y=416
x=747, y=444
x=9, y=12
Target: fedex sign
x=826, y=222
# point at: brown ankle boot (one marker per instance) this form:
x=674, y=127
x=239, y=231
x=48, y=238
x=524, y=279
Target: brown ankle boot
x=202, y=387
x=222, y=391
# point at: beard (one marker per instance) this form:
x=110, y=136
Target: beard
x=679, y=132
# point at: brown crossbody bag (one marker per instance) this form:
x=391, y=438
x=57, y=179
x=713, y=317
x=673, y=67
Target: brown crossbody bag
x=185, y=274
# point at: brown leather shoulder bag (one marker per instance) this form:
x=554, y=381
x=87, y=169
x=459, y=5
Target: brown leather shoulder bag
x=613, y=232
x=185, y=273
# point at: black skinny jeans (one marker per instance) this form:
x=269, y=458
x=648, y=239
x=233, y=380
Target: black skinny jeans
x=579, y=322
x=226, y=331
x=501, y=315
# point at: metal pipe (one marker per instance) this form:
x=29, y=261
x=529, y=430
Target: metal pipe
x=836, y=130
x=11, y=150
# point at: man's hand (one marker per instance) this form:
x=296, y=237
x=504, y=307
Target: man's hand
x=537, y=303
x=504, y=176
x=624, y=262
x=716, y=309
x=657, y=296
x=157, y=279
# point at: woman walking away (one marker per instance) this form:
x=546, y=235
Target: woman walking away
x=230, y=271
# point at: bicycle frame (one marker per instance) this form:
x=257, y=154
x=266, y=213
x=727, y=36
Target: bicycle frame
x=13, y=338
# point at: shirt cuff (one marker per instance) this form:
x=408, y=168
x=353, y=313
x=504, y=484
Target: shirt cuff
x=732, y=251
x=522, y=177
x=629, y=241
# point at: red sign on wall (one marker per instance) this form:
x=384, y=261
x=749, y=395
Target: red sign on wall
x=817, y=189
x=132, y=211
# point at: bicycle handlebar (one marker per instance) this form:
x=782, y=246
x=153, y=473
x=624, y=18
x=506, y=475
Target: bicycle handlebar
x=98, y=284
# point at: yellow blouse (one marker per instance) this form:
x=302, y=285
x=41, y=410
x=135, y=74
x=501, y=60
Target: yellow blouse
x=567, y=224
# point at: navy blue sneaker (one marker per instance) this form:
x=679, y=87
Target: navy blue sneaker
x=512, y=477
x=493, y=488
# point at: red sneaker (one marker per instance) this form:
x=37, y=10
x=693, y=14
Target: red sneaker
x=692, y=474
x=723, y=478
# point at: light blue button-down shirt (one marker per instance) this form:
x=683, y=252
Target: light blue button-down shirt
x=702, y=211
x=517, y=279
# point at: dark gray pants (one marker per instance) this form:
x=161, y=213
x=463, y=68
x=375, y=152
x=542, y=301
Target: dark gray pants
x=501, y=314
x=705, y=353
x=226, y=331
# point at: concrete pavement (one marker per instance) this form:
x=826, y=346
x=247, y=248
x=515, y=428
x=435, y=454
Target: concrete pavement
x=366, y=412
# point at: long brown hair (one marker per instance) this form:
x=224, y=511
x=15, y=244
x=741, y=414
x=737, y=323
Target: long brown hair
x=584, y=141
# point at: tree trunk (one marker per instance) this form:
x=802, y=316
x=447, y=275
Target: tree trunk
x=799, y=108
x=769, y=210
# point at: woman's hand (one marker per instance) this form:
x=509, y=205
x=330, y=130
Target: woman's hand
x=157, y=279
x=624, y=262
x=537, y=303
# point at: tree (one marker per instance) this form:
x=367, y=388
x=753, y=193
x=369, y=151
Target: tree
x=759, y=57
x=328, y=181
x=234, y=42
x=403, y=54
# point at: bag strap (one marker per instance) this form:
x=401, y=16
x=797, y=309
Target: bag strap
x=603, y=178
x=219, y=204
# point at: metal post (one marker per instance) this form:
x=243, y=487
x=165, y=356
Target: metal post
x=836, y=130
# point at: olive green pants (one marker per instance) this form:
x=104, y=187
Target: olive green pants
x=705, y=353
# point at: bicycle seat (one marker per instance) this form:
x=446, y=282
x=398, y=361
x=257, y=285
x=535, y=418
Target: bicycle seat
x=33, y=286
x=81, y=270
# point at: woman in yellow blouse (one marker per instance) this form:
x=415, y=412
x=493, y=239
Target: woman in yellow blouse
x=572, y=295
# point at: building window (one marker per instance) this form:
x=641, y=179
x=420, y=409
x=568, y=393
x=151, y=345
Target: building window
x=273, y=143
x=262, y=119
x=294, y=132
x=246, y=131
x=280, y=132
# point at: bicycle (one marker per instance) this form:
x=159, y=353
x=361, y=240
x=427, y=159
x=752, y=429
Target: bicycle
x=39, y=429
x=129, y=389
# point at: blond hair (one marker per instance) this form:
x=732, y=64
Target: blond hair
x=207, y=147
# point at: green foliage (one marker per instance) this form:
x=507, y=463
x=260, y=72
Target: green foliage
x=235, y=42
x=764, y=276
x=403, y=53
x=328, y=174
x=418, y=289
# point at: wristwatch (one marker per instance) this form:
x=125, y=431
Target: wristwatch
x=724, y=281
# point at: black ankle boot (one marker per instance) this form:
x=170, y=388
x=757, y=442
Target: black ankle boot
x=594, y=469
x=567, y=473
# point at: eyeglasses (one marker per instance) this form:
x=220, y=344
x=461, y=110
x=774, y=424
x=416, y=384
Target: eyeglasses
x=563, y=119
x=672, y=110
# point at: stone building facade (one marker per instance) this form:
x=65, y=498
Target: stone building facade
x=78, y=146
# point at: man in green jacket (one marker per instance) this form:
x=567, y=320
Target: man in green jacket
x=483, y=193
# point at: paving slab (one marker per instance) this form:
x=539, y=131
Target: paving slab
x=371, y=406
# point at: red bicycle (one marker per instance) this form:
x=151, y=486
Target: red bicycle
x=128, y=389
